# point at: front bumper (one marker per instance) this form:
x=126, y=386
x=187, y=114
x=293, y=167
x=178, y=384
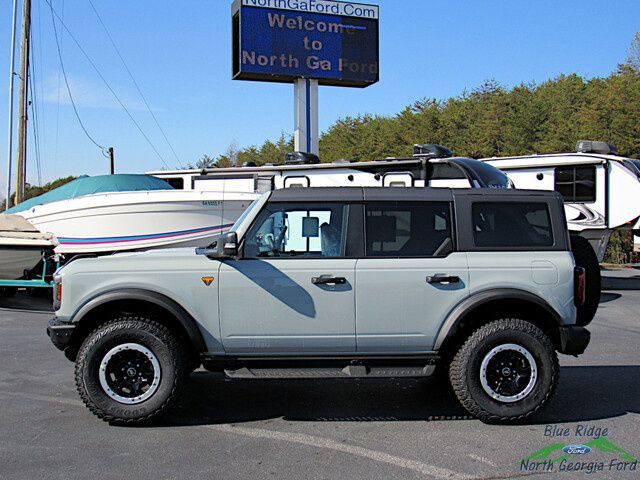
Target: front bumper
x=60, y=332
x=574, y=340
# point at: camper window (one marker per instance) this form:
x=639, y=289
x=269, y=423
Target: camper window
x=577, y=184
x=176, y=182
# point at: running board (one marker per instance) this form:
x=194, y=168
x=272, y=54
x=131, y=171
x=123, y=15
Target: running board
x=350, y=371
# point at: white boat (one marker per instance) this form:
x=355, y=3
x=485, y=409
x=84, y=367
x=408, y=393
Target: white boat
x=113, y=221
x=22, y=246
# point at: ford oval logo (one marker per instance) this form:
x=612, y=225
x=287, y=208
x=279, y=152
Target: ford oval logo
x=577, y=449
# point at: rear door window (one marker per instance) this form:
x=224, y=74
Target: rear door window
x=511, y=224
x=408, y=229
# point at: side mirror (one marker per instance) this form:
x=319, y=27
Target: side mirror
x=228, y=244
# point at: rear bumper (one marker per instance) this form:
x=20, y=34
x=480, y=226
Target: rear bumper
x=60, y=332
x=574, y=340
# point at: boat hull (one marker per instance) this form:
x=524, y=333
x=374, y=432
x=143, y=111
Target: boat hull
x=15, y=260
x=126, y=221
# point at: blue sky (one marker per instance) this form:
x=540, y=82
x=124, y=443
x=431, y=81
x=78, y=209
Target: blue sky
x=179, y=53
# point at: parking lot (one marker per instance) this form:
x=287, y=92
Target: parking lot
x=329, y=429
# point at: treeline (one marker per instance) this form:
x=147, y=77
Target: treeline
x=490, y=120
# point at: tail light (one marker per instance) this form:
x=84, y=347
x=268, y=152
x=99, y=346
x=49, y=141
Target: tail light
x=580, y=285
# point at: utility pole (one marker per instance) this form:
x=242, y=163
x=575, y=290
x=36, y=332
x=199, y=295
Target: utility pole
x=21, y=167
x=112, y=161
x=12, y=73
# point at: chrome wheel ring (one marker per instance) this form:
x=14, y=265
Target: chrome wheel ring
x=508, y=373
x=129, y=373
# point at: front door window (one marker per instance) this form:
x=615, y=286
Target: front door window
x=300, y=230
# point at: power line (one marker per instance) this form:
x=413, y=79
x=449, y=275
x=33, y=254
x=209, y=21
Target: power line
x=113, y=43
x=66, y=80
x=104, y=80
x=55, y=155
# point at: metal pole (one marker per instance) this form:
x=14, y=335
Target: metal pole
x=112, y=162
x=306, y=132
x=11, y=74
x=21, y=167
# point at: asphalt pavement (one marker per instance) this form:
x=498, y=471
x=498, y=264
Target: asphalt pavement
x=324, y=429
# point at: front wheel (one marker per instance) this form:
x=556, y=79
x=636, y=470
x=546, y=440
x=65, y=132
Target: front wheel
x=506, y=371
x=129, y=370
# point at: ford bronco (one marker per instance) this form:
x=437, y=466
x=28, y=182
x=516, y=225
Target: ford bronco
x=336, y=282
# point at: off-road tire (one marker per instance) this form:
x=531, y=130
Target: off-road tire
x=171, y=356
x=464, y=371
x=586, y=258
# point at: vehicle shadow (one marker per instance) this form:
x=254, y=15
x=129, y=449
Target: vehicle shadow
x=609, y=297
x=585, y=393
x=621, y=283
x=23, y=301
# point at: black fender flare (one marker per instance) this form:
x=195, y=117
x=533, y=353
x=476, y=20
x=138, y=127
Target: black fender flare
x=481, y=298
x=162, y=301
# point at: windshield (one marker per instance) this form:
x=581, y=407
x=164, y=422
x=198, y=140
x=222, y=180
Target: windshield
x=483, y=174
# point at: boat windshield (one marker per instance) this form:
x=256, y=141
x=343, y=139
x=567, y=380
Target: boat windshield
x=244, y=215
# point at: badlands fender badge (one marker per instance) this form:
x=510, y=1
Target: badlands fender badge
x=208, y=280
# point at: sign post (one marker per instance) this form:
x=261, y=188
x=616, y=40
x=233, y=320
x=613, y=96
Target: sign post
x=306, y=133
x=307, y=43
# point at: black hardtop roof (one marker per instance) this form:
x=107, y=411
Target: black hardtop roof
x=396, y=194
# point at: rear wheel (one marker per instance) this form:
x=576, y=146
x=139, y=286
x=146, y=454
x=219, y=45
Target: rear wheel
x=586, y=258
x=130, y=370
x=506, y=371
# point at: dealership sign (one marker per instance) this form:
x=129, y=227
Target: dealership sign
x=333, y=42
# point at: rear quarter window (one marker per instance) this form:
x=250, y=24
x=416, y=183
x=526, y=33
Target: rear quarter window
x=511, y=224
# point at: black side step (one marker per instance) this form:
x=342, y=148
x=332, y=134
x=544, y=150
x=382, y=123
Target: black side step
x=350, y=371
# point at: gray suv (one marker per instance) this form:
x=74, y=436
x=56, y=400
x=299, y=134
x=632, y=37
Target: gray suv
x=336, y=282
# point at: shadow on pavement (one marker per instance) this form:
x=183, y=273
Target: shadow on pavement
x=38, y=301
x=609, y=297
x=621, y=283
x=585, y=393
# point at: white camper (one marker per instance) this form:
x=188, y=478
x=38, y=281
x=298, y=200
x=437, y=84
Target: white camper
x=431, y=166
x=600, y=188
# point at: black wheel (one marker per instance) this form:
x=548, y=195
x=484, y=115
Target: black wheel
x=130, y=370
x=506, y=371
x=586, y=258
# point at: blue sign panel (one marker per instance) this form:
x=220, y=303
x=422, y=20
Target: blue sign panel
x=282, y=44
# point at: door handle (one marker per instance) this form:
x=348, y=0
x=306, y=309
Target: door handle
x=443, y=279
x=328, y=280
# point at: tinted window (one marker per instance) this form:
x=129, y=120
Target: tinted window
x=177, y=183
x=298, y=230
x=512, y=224
x=400, y=229
x=576, y=184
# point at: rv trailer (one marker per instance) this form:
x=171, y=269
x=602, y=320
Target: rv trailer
x=431, y=166
x=600, y=188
